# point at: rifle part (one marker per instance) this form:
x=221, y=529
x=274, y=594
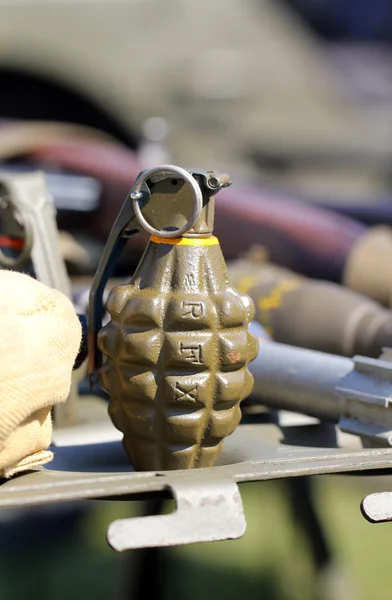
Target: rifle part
x=30, y=243
x=354, y=393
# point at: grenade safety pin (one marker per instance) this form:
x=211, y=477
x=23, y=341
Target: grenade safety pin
x=177, y=347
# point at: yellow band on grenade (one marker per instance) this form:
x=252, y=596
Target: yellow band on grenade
x=183, y=241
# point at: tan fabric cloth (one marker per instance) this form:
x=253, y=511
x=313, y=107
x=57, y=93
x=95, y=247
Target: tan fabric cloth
x=40, y=337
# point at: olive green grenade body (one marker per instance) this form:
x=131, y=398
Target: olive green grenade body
x=177, y=350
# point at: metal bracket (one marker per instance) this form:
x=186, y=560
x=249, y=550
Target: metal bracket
x=207, y=513
x=208, y=503
x=29, y=193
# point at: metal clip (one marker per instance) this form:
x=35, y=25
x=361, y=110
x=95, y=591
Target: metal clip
x=209, y=512
x=377, y=508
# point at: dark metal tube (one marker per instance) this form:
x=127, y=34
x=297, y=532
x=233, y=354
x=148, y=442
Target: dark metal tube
x=313, y=314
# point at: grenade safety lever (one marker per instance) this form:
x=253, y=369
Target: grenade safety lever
x=127, y=224
x=177, y=346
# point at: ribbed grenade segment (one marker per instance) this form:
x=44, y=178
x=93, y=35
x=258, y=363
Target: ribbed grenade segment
x=177, y=350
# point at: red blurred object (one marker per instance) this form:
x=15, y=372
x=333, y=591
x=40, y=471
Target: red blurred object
x=311, y=240
x=11, y=243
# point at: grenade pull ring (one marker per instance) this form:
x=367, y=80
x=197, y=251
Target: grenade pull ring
x=127, y=224
x=136, y=195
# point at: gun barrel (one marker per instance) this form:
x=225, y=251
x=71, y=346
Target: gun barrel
x=354, y=393
x=300, y=380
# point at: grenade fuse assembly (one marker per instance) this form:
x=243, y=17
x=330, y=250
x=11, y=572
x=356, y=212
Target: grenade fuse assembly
x=177, y=346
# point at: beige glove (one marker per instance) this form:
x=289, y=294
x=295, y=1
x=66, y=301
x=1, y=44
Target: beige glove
x=40, y=337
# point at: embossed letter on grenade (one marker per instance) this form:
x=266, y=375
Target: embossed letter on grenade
x=177, y=346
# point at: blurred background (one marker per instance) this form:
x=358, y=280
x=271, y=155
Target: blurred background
x=294, y=99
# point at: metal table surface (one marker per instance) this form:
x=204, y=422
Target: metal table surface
x=208, y=501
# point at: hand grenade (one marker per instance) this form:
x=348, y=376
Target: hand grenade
x=177, y=345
